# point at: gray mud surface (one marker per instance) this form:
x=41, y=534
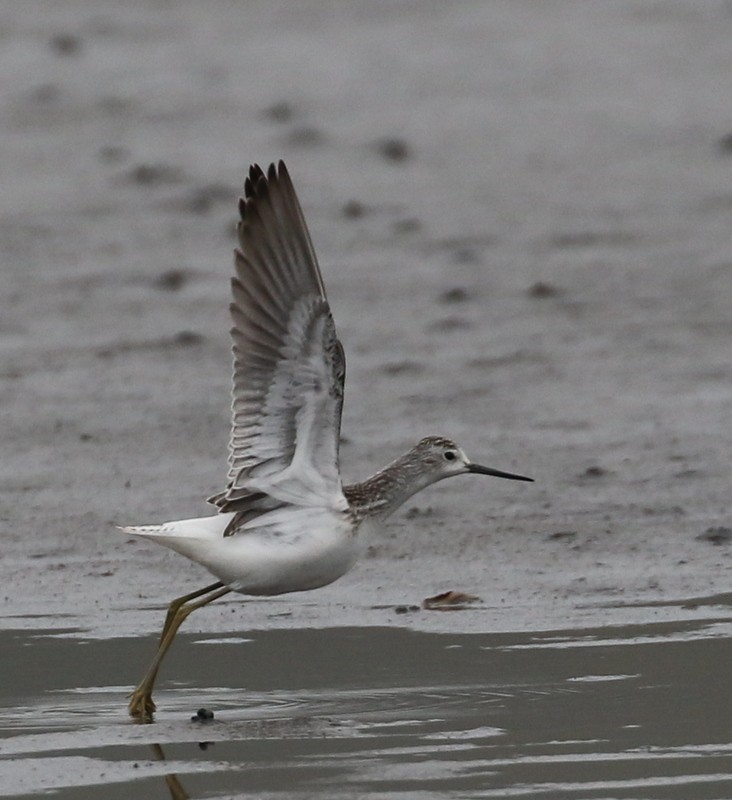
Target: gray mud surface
x=542, y=271
x=523, y=213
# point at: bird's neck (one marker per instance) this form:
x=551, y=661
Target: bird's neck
x=380, y=495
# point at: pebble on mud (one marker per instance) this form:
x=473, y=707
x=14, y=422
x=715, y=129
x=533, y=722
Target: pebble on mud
x=454, y=295
x=65, y=44
x=718, y=535
x=171, y=279
x=188, y=338
x=353, y=209
x=154, y=174
x=541, y=290
x=450, y=600
x=725, y=144
x=203, y=715
x=393, y=149
x=562, y=535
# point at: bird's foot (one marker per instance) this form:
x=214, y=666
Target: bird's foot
x=141, y=706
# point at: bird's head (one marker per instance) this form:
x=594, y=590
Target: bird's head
x=442, y=458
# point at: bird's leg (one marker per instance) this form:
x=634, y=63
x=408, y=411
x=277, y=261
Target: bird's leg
x=179, y=601
x=141, y=703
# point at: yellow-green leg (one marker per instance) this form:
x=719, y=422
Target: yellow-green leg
x=141, y=704
x=180, y=601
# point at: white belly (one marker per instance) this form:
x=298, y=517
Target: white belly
x=260, y=565
x=289, y=550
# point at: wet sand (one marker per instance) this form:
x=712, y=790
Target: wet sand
x=541, y=271
x=522, y=213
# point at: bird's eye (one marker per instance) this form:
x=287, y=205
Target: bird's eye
x=450, y=455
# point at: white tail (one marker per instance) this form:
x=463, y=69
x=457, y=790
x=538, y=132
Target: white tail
x=141, y=529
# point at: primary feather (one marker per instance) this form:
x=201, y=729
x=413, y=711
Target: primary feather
x=289, y=367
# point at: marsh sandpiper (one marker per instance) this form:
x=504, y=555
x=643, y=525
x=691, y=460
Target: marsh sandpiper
x=285, y=522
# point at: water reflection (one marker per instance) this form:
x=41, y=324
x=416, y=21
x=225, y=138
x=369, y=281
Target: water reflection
x=175, y=787
x=625, y=712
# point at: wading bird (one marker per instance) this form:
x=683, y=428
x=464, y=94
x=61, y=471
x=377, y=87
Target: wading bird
x=285, y=522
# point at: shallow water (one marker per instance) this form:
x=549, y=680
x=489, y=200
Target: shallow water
x=625, y=712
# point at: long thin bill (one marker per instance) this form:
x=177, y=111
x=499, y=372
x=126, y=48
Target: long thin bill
x=496, y=473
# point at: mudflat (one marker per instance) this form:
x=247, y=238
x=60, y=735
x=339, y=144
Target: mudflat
x=522, y=213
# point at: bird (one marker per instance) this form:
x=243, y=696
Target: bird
x=285, y=522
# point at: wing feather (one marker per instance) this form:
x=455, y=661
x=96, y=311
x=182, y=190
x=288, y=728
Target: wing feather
x=289, y=367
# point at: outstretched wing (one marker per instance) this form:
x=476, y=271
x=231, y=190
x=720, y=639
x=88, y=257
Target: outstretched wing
x=289, y=366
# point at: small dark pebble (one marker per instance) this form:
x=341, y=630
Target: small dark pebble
x=541, y=290
x=65, y=44
x=393, y=149
x=188, y=338
x=725, y=144
x=456, y=295
x=718, y=535
x=353, y=209
x=405, y=609
x=154, y=174
x=562, y=535
x=688, y=473
x=202, y=715
x=171, y=279
x=594, y=472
